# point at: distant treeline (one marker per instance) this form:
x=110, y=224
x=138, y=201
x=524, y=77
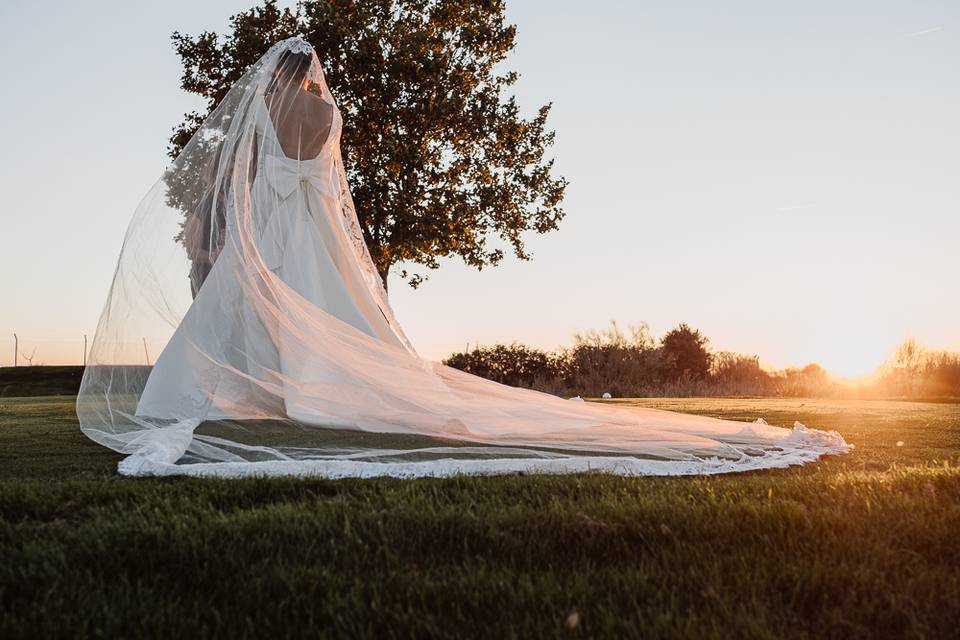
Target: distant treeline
x=634, y=364
x=631, y=365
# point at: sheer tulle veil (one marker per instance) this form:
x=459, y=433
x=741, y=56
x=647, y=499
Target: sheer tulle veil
x=246, y=332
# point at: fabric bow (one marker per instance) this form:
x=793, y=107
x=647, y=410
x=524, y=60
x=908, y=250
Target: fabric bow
x=285, y=175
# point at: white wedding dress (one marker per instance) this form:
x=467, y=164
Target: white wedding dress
x=299, y=235
x=289, y=360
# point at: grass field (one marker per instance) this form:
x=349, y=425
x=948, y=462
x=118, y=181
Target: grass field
x=863, y=545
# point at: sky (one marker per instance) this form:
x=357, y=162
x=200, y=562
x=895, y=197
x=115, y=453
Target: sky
x=780, y=175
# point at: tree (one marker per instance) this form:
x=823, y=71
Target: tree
x=440, y=161
x=685, y=353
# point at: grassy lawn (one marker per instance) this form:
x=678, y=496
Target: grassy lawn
x=863, y=545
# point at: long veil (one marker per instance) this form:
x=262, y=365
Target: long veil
x=247, y=332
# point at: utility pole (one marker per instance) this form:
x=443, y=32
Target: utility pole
x=16, y=348
x=84, y=350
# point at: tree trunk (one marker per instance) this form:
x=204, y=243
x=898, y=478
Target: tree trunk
x=384, y=272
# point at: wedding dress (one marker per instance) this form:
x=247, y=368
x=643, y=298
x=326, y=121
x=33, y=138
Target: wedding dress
x=281, y=353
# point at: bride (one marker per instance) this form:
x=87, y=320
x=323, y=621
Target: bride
x=281, y=353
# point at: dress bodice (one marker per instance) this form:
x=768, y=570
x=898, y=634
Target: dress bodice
x=287, y=175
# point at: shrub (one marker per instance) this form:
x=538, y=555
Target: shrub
x=609, y=361
x=515, y=364
x=737, y=374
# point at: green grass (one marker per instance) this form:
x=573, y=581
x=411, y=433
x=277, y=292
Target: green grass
x=863, y=545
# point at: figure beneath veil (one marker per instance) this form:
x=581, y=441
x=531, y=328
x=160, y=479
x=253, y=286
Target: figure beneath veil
x=295, y=195
x=288, y=333
x=296, y=192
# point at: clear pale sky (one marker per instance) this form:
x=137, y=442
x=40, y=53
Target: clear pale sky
x=784, y=176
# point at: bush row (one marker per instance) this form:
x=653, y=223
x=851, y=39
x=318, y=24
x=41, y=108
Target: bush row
x=681, y=363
